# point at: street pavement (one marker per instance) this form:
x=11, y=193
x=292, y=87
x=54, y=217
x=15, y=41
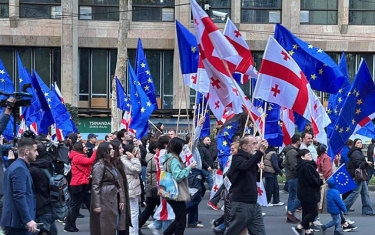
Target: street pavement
x=274, y=220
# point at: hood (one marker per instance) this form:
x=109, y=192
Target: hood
x=331, y=182
x=42, y=162
x=353, y=150
x=203, y=145
x=289, y=147
x=74, y=153
x=304, y=163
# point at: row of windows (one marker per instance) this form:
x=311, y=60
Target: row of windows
x=252, y=11
x=97, y=67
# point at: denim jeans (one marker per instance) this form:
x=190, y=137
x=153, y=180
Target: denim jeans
x=192, y=208
x=336, y=221
x=207, y=176
x=366, y=202
x=48, y=221
x=293, y=202
x=370, y=172
x=162, y=224
x=272, y=190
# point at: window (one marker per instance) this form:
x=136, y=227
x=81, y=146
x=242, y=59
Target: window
x=96, y=69
x=43, y=9
x=219, y=10
x=362, y=12
x=161, y=68
x=4, y=8
x=318, y=12
x=261, y=11
x=153, y=10
x=99, y=10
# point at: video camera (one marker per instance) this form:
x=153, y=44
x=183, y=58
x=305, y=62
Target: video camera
x=20, y=101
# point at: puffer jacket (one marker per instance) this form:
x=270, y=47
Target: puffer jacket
x=132, y=169
x=81, y=167
x=334, y=202
x=356, y=160
x=309, y=182
x=150, y=174
x=179, y=173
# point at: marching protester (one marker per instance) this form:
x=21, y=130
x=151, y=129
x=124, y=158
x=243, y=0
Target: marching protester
x=358, y=161
x=131, y=161
x=18, y=216
x=108, y=196
x=245, y=211
x=308, y=191
x=207, y=160
x=79, y=184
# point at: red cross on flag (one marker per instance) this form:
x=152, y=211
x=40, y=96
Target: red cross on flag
x=246, y=66
x=217, y=183
x=288, y=126
x=262, y=197
x=282, y=82
x=198, y=81
x=320, y=120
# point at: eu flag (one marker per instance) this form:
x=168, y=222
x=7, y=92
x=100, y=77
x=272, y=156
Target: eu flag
x=201, y=104
x=33, y=113
x=6, y=83
x=54, y=109
x=188, y=49
x=344, y=182
x=142, y=107
x=143, y=74
x=123, y=101
x=357, y=109
x=319, y=68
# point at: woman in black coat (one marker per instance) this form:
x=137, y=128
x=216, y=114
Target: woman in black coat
x=308, y=191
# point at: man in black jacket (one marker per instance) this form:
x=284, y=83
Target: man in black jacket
x=246, y=212
x=207, y=161
x=42, y=191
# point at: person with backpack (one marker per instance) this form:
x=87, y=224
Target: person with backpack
x=42, y=189
x=271, y=170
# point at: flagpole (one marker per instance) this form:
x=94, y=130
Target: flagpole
x=247, y=121
x=179, y=113
x=264, y=119
x=152, y=124
x=187, y=102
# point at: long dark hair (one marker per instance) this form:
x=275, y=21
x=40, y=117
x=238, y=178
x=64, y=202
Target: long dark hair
x=78, y=147
x=118, y=163
x=355, y=141
x=103, y=153
x=175, y=146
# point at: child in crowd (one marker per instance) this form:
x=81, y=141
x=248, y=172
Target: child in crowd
x=334, y=206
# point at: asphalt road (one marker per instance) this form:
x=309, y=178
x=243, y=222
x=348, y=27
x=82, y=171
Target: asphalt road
x=274, y=220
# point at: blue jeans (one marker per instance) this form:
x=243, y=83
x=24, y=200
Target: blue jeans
x=207, y=176
x=192, y=208
x=144, y=168
x=365, y=198
x=162, y=224
x=293, y=202
x=48, y=221
x=336, y=221
x=370, y=172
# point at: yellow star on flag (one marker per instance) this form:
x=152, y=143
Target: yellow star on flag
x=295, y=46
x=143, y=110
x=291, y=52
x=310, y=46
x=359, y=102
x=358, y=111
x=329, y=111
x=229, y=127
x=148, y=103
x=320, y=50
x=225, y=143
x=149, y=80
x=341, y=130
x=143, y=65
x=353, y=121
x=193, y=49
x=313, y=76
x=340, y=91
x=320, y=71
x=347, y=129
x=146, y=88
x=147, y=72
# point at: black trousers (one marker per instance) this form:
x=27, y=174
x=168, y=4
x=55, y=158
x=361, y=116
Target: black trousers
x=149, y=210
x=178, y=227
x=79, y=195
x=309, y=213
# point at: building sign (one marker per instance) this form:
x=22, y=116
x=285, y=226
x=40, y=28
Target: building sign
x=95, y=125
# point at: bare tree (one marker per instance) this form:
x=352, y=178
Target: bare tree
x=122, y=55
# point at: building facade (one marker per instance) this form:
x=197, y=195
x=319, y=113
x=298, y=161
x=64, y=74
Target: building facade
x=74, y=42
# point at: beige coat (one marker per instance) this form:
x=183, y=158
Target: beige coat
x=107, y=193
x=132, y=169
x=150, y=174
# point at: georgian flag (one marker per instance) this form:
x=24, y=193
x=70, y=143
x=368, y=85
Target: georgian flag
x=288, y=126
x=22, y=128
x=126, y=120
x=56, y=133
x=320, y=120
x=262, y=197
x=282, y=82
x=217, y=183
x=187, y=156
x=58, y=92
x=245, y=69
x=164, y=211
x=34, y=128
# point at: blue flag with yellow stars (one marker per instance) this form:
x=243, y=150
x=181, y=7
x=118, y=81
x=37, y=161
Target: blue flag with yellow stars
x=6, y=83
x=336, y=101
x=343, y=181
x=123, y=101
x=357, y=109
x=54, y=109
x=143, y=74
x=321, y=71
x=142, y=107
x=188, y=48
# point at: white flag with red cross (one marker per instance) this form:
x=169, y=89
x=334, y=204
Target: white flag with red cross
x=262, y=197
x=217, y=183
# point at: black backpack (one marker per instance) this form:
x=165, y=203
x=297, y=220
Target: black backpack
x=59, y=195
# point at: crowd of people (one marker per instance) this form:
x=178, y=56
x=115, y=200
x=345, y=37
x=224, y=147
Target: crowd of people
x=117, y=181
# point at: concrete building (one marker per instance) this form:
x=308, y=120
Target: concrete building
x=73, y=42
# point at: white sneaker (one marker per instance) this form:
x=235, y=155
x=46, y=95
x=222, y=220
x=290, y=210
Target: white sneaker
x=350, y=221
x=279, y=204
x=153, y=229
x=270, y=204
x=317, y=223
x=263, y=213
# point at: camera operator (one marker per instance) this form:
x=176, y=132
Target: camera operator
x=42, y=190
x=4, y=119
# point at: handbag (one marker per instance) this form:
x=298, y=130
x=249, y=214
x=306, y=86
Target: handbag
x=360, y=174
x=168, y=188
